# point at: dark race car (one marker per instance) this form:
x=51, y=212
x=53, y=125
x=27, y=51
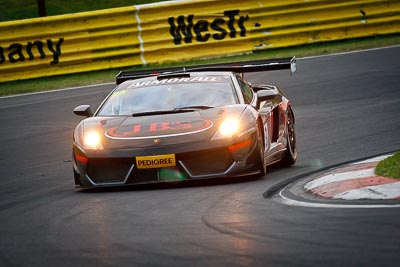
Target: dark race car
x=185, y=123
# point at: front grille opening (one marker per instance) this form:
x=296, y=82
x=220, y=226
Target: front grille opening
x=207, y=162
x=108, y=170
x=157, y=175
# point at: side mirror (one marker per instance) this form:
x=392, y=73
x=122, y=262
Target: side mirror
x=83, y=110
x=266, y=95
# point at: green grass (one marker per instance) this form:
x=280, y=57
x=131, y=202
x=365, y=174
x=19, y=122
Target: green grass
x=72, y=80
x=25, y=9
x=389, y=167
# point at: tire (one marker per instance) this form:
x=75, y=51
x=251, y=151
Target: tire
x=76, y=177
x=258, y=154
x=290, y=156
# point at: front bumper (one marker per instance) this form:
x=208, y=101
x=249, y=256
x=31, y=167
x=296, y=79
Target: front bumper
x=106, y=170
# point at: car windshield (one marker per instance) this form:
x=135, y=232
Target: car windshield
x=177, y=95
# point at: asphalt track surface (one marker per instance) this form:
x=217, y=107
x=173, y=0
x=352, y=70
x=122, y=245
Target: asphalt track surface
x=347, y=107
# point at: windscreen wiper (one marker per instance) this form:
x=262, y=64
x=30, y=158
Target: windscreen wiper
x=172, y=111
x=159, y=112
x=192, y=108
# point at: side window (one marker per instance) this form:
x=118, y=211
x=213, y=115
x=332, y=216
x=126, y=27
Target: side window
x=246, y=91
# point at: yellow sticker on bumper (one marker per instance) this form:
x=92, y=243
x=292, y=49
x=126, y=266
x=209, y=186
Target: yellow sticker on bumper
x=152, y=162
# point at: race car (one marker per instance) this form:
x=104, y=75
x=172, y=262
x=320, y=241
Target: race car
x=186, y=123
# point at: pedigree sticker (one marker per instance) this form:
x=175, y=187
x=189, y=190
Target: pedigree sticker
x=160, y=161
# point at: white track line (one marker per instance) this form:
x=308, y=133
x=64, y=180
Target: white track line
x=56, y=90
x=351, y=52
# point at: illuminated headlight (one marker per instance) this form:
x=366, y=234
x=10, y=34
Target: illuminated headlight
x=228, y=128
x=92, y=140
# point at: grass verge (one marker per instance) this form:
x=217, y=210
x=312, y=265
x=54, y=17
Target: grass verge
x=389, y=167
x=27, y=9
x=96, y=77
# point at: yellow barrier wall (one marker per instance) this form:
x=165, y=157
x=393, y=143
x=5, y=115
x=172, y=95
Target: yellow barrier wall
x=181, y=30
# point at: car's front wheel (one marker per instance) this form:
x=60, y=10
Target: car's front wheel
x=76, y=177
x=258, y=155
x=291, y=147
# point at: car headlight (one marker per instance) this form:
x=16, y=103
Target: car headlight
x=228, y=128
x=92, y=140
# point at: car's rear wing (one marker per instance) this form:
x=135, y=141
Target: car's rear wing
x=237, y=67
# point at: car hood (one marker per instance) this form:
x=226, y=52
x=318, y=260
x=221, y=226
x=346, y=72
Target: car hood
x=160, y=130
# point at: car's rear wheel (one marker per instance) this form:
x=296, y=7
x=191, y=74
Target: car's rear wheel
x=291, y=147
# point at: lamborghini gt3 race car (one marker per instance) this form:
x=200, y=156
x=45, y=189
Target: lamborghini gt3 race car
x=185, y=123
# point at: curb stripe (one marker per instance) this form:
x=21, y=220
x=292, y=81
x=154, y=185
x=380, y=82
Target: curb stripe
x=355, y=181
x=336, y=188
x=293, y=202
x=377, y=159
x=386, y=191
x=363, y=166
x=337, y=177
